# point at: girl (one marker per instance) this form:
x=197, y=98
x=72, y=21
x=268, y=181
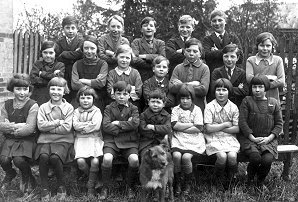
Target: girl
x=90, y=71
x=221, y=120
x=265, y=63
x=187, y=140
x=109, y=43
x=44, y=70
x=123, y=72
x=88, y=137
x=18, y=125
x=261, y=122
x=55, y=142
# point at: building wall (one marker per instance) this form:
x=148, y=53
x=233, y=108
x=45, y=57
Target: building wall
x=6, y=46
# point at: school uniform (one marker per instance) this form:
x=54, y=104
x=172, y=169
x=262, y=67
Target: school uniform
x=124, y=136
x=25, y=142
x=151, y=49
x=55, y=138
x=90, y=143
x=94, y=69
x=162, y=125
x=173, y=44
x=187, y=72
x=238, y=76
x=68, y=54
x=40, y=81
x=106, y=42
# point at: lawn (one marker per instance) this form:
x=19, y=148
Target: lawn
x=202, y=188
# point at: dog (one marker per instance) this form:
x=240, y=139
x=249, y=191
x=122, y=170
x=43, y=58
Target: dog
x=157, y=172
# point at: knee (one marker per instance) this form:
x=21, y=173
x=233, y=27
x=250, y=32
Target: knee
x=177, y=156
x=267, y=159
x=107, y=160
x=43, y=158
x=221, y=157
x=5, y=160
x=54, y=159
x=255, y=158
x=133, y=160
x=232, y=158
x=95, y=162
x=18, y=161
x=186, y=158
x=81, y=163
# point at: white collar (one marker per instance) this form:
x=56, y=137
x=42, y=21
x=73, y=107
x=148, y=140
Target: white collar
x=217, y=34
x=259, y=59
x=120, y=72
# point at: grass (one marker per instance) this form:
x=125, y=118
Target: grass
x=202, y=188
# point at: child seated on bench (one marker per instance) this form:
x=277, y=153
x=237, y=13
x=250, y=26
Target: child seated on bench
x=260, y=122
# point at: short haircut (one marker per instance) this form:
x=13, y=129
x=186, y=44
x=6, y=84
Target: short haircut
x=48, y=44
x=59, y=81
x=68, y=20
x=116, y=17
x=147, y=20
x=157, y=94
x=263, y=37
x=231, y=48
x=159, y=59
x=186, y=91
x=92, y=39
x=86, y=90
x=19, y=80
x=120, y=86
x=186, y=19
x=194, y=41
x=124, y=48
x=223, y=83
x=217, y=13
x=260, y=80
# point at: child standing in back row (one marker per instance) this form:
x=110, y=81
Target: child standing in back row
x=88, y=137
x=265, y=63
x=18, y=125
x=55, y=142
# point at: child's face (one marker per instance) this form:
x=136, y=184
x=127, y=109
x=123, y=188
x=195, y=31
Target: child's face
x=221, y=95
x=192, y=53
x=89, y=49
x=258, y=91
x=48, y=55
x=56, y=93
x=86, y=101
x=121, y=97
x=185, y=29
x=70, y=30
x=124, y=60
x=218, y=24
x=265, y=48
x=230, y=59
x=156, y=105
x=148, y=29
x=115, y=28
x=21, y=93
x=161, y=70
x=186, y=102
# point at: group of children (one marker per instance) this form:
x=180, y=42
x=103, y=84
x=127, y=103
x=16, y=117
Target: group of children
x=116, y=114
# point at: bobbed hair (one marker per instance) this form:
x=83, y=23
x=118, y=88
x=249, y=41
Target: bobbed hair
x=260, y=80
x=123, y=49
x=263, y=37
x=19, y=80
x=157, y=94
x=86, y=90
x=116, y=17
x=147, y=20
x=92, y=39
x=48, y=44
x=121, y=85
x=59, y=81
x=194, y=41
x=186, y=91
x=223, y=83
x=231, y=48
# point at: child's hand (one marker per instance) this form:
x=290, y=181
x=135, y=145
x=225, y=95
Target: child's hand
x=78, y=49
x=214, y=48
x=130, y=119
x=176, y=81
x=39, y=73
x=109, y=53
x=255, y=139
x=84, y=81
x=56, y=72
x=264, y=141
x=228, y=124
x=143, y=56
x=179, y=51
x=240, y=85
x=150, y=127
x=115, y=123
x=195, y=83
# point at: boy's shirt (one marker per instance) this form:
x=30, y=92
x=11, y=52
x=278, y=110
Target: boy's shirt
x=67, y=52
x=162, y=125
x=125, y=134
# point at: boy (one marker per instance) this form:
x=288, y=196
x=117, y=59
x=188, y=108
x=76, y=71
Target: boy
x=192, y=72
x=147, y=48
x=234, y=74
x=155, y=122
x=69, y=50
x=175, y=45
x=120, y=125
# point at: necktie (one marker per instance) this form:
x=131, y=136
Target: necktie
x=184, y=39
x=190, y=73
x=220, y=38
x=229, y=73
x=149, y=41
